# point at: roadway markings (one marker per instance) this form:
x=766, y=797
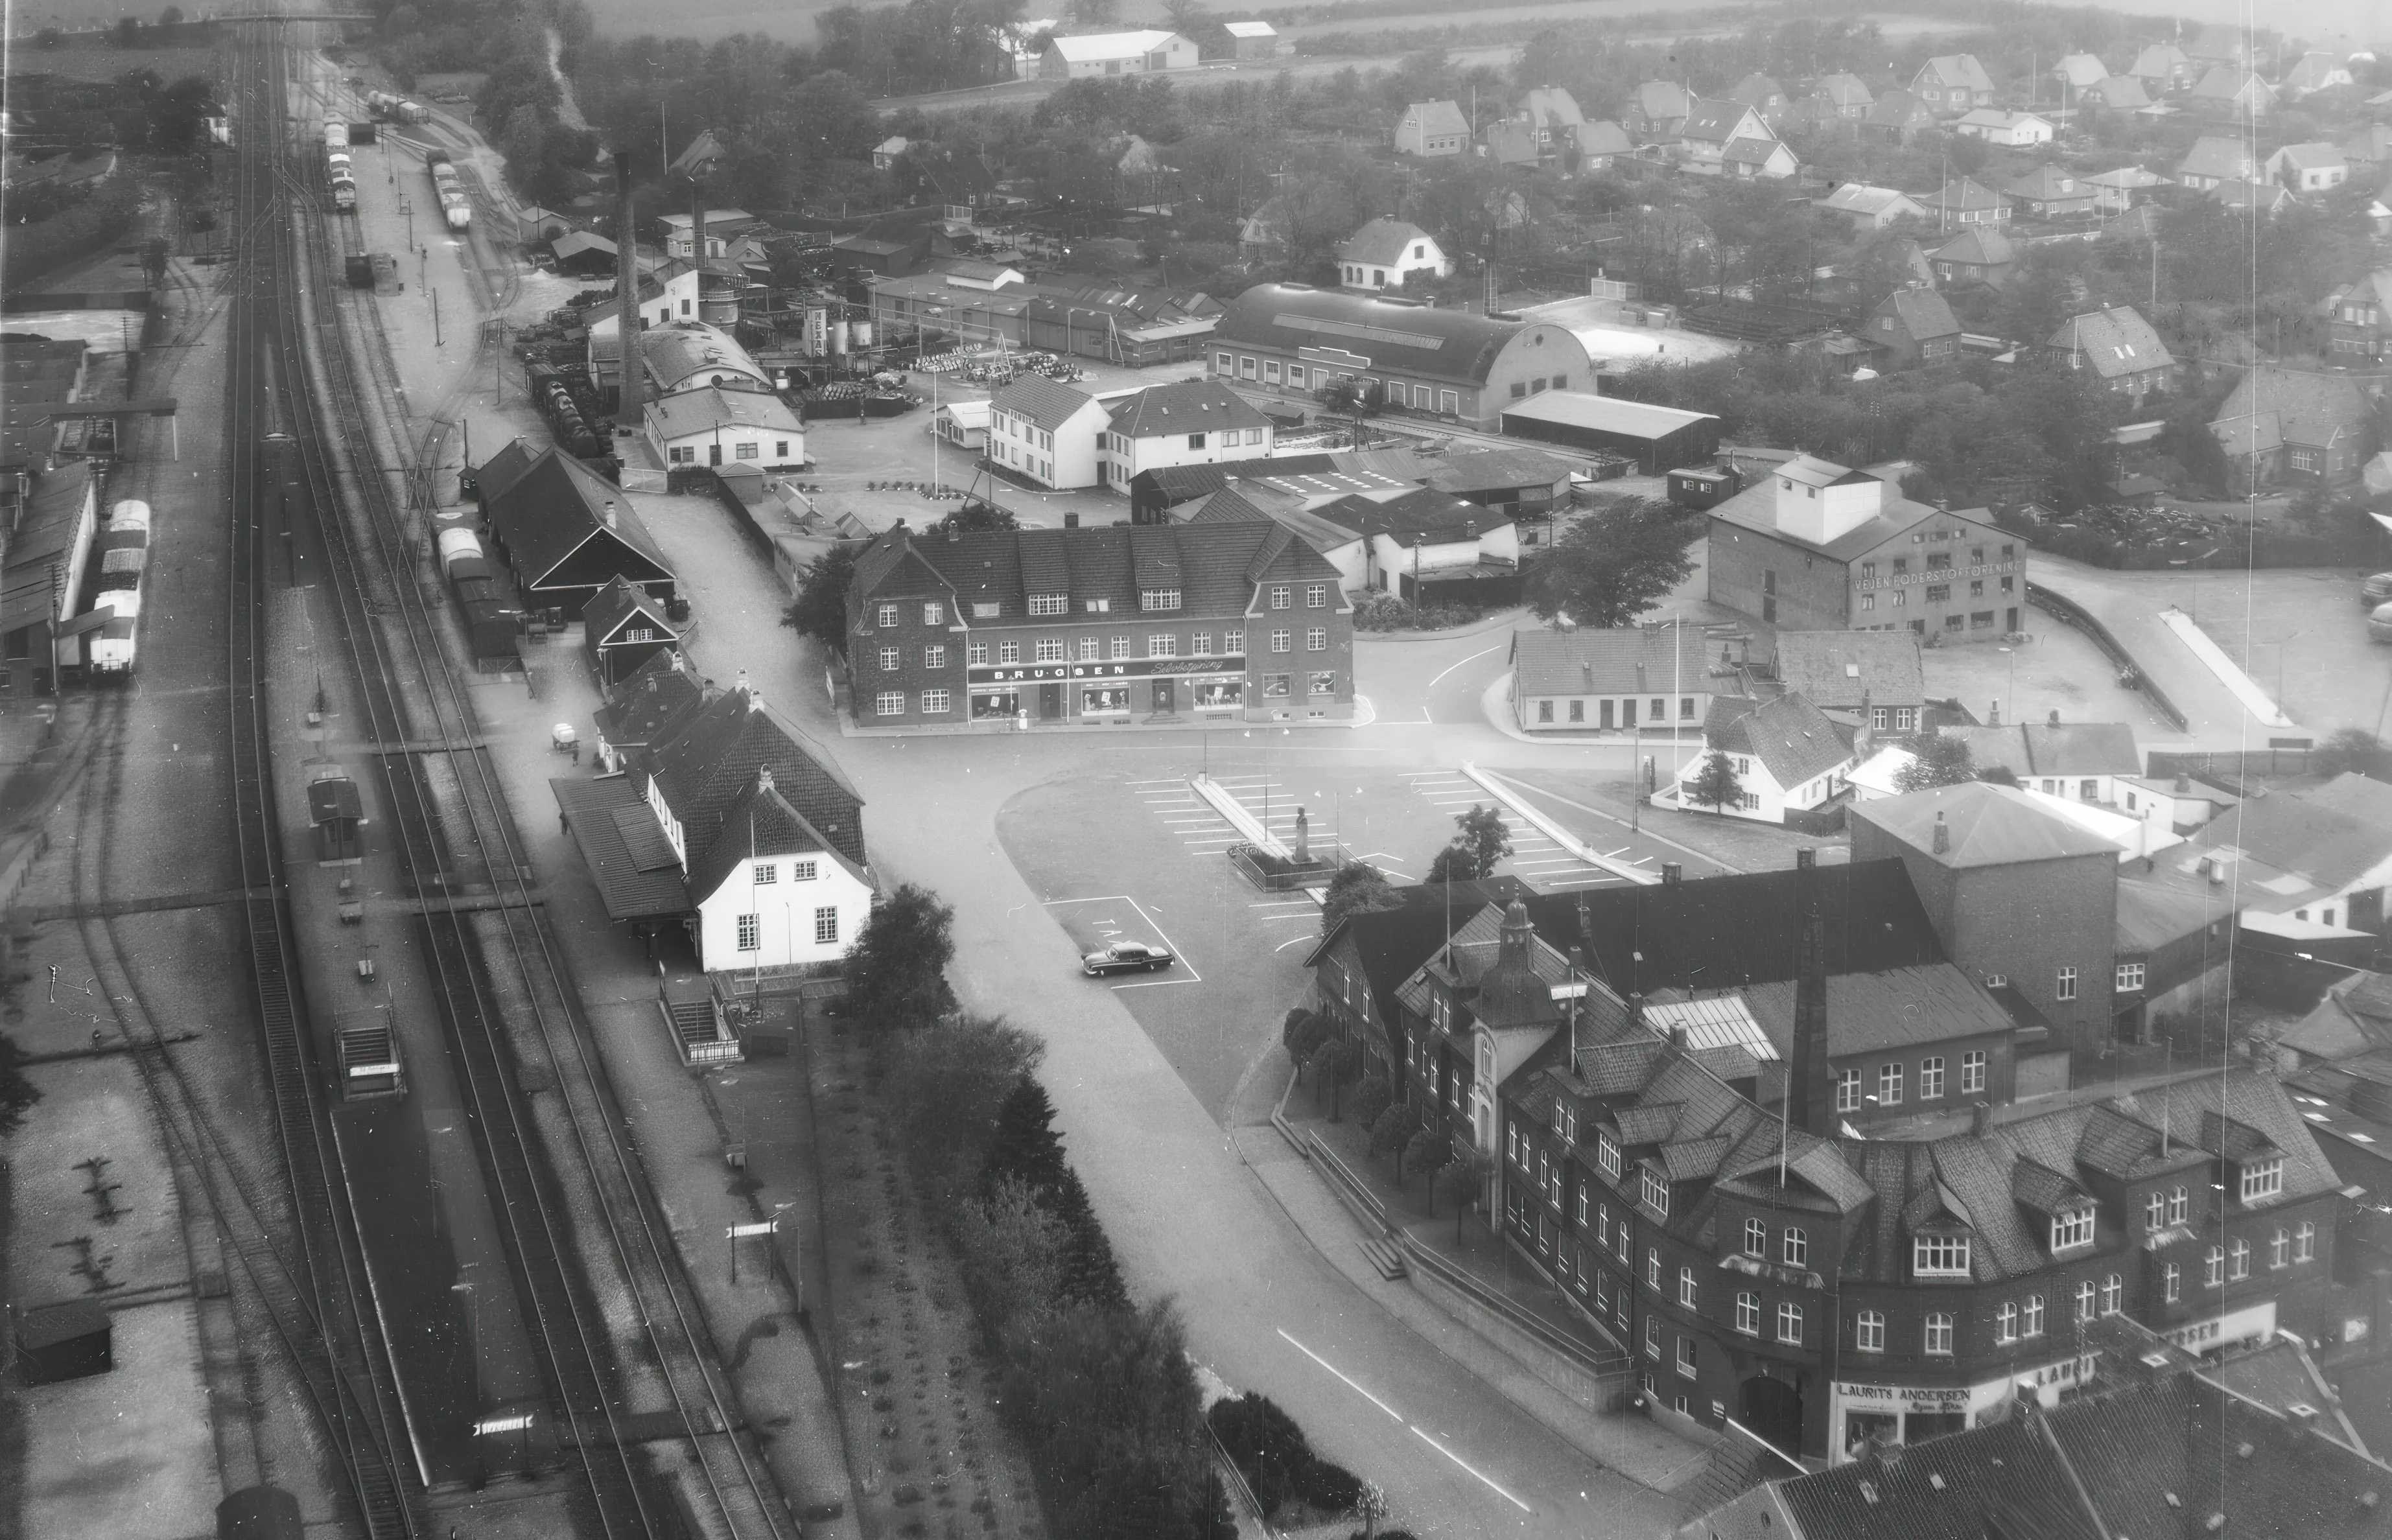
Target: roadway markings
x=1110, y=927
x=1472, y=658
x=1535, y=858
x=1424, y=1436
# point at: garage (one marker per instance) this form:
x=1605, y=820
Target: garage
x=1659, y=438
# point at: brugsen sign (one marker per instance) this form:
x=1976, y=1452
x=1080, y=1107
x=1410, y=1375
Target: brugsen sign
x=1136, y=668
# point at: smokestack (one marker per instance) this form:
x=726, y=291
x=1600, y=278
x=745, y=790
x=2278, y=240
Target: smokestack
x=627, y=286
x=1808, y=1105
x=1942, y=836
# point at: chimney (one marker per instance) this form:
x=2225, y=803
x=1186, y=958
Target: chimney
x=627, y=291
x=611, y=522
x=2055, y=719
x=1809, y=1106
x=763, y=778
x=1679, y=1040
x=2183, y=783
x=1980, y=1119
x=1635, y=1003
x=1672, y=873
x=1942, y=835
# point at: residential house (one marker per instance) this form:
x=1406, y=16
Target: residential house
x=2309, y=167
x=1817, y=547
x=1657, y=111
x=1899, y=117
x=1870, y=675
x=2226, y=92
x=2317, y=70
x=771, y=891
x=1768, y=160
x=2295, y=427
x=1252, y=39
x=1431, y=548
x=2353, y=1018
x=1432, y=130
x=1727, y=138
x=2117, y=346
x=1046, y=432
x=1953, y=83
x=707, y=425
x=2046, y=192
x=723, y=227
x=1146, y=52
x=1194, y=422
x=1364, y=960
x=2012, y=130
x=1786, y=755
x=1979, y=255
x=2308, y=865
x=1965, y=200
x=1626, y=678
x=1869, y=208
x=1762, y=94
x=963, y=424
x=2117, y=93
x=1263, y=235
x=2116, y=191
x=2367, y=148
x=2213, y=159
x=2360, y=321
x=2255, y=200
x=2163, y=68
x=646, y=705
x=1383, y=253
x=1915, y=329
x=1118, y=624
x=1553, y=117
x=886, y=153
x=1849, y=95
x=1510, y=142
x=1600, y=145
x=2082, y=761
x=2020, y=895
x=2219, y=43
x=2075, y=72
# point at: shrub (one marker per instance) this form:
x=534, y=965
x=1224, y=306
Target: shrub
x=1391, y=1128
x=1371, y=1100
x=1427, y=1150
x=1330, y=1488
x=1292, y=1026
x=1266, y=1445
x=1308, y=1039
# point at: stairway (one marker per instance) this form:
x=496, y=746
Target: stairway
x=692, y=1022
x=1385, y=1257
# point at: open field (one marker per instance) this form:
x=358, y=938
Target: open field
x=102, y=63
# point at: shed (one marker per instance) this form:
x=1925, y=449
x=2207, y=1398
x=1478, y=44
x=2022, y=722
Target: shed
x=337, y=813
x=1703, y=485
x=71, y=1340
x=1659, y=438
x=583, y=254
x=622, y=627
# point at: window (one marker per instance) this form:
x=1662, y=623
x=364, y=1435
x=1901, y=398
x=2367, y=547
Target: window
x=890, y=702
x=2241, y=1264
x=1158, y=599
x=1316, y=596
x=1848, y=1090
x=1120, y=648
x=1685, y=1364
x=1651, y=1339
x=935, y=657
x=1201, y=644
x=1163, y=646
x=2034, y=1315
x=2179, y=1205
x=763, y=871
x=2304, y=1243
x=1281, y=597
x=802, y=871
x=1940, y=1256
x=1756, y=1238
x=1868, y=1331
x=1606, y=1153
x=975, y=653
x=1049, y=604
x=1906, y=718
x=1687, y=1287
x=1657, y=1193
x=743, y=451
x=2213, y=1267
x=1938, y=593
x=1089, y=646
x=2262, y=1178
x=2130, y=976
x=2114, y=1294
x=1095, y=606
x=2084, y=1301
x=2067, y=987
x=1275, y=686
x=1789, y=1324
x=1008, y=651
x=889, y=659
x=1868, y=601
x=1686, y=708
x=1545, y=710
x=1798, y=1248
x=1195, y=441
x=1889, y=1085
x=826, y=925
x=2071, y=1231
x=1902, y=600
x=1316, y=639
x=934, y=614
x=2006, y=1323
x=1652, y=1268
x=1050, y=649
x=2155, y=1211
x=886, y=615
x=1931, y=1080
x=1938, y=1335
x=1581, y=1206
x=934, y=702
x=1233, y=644
x=1747, y=1314
x=1619, y=1241
x=2172, y=1283
x=1282, y=642
x=751, y=928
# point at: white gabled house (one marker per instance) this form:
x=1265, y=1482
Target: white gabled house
x=1046, y=432
x=771, y=892
x=1385, y=251
x=1786, y=754
x=1194, y=422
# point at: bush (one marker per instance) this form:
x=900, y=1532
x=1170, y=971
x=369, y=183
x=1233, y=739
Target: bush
x=1427, y=1151
x=1391, y=1128
x=1330, y=1488
x=1385, y=611
x=1292, y=1028
x=1308, y=1039
x=1371, y=1101
x=1264, y=1444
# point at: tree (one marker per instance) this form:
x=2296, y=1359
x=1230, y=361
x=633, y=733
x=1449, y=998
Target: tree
x=1389, y=1132
x=1715, y=786
x=1466, y=1179
x=1614, y=564
x=1373, y=1096
x=171, y=17
x=2348, y=750
x=1426, y=1151
x=1483, y=831
x=1094, y=13
x=1333, y=1064
x=1998, y=775
x=1025, y=1147
x=819, y=609
x=947, y=1086
x=1940, y=762
x=1012, y=1251
x=976, y=516
x=1456, y=862
x=897, y=975
x=1358, y=887
x=127, y=32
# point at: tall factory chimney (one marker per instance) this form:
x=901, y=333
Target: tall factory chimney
x=1809, y=1103
x=627, y=288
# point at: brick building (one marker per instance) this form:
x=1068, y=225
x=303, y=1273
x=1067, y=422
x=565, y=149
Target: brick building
x=1173, y=624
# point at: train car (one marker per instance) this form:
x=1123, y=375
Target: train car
x=132, y=513
x=336, y=136
x=458, y=545
x=459, y=213
x=114, y=646
x=344, y=194
x=408, y=112
x=380, y=104
x=124, y=556
x=494, y=629
x=339, y=163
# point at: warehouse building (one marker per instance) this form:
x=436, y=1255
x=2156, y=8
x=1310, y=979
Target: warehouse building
x=1659, y=438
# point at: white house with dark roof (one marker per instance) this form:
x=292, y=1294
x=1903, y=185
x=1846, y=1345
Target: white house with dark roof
x=1787, y=756
x=1046, y=432
x=1869, y=208
x=1953, y=83
x=2116, y=191
x=2078, y=70
x=1432, y=130
x=2117, y=346
x=2311, y=167
x=2080, y=761
x=1712, y=130
x=1978, y=255
x=1628, y=679
x=711, y=426
x=1148, y=52
x=1383, y=253
x=769, y=891
x=1193, y=423
x=2013, y=130
x=2213, y=159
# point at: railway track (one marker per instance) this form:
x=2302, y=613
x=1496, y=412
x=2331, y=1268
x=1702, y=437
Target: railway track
x=505, y=996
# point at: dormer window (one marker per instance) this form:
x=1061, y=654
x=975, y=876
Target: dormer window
x=1606, y=1154
x=1939, y=1256
x=1049, y=604
x=2070, y=1232
x=1657, y=1193
x=1158, y=599
x=2262, y=1178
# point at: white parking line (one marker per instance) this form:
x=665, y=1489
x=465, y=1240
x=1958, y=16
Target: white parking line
x=1180, y=957
x=1345, y=1379
x=1483, y=1477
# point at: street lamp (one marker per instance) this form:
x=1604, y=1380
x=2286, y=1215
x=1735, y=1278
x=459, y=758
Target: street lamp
x=2012, y=652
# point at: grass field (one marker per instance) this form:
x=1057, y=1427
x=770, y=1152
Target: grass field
x=109, y=63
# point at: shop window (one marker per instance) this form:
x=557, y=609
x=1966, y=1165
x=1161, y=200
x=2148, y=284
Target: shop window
x=1320, y=684
x=1275, y=686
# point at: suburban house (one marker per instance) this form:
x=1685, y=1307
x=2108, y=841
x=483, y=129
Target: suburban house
x=2309, y=864
x=1252, y=39
x=1197, y=422
x=1385, y=251
x=1553, y=118
x=1046, y=431
x=1727, y=138
x=1869, y=208
x=2219, y=42
x=2075, y=72
x=2213, y=160
x=1762, y=94
x=1913, y=328
x=2163, y=68
x=2229, y=91
x=887, y=152
x=1979, y=255
x=2317, y=70
x=1176, y=623
x=2258, y=199
x=1849, y=95
x=1785, y=753
x=2117, y=93
x=2046, y=192
x=1953, y=83
x=1600, y=144
x=2309, y=167
x=1116, y=54
x=2362, y=319
x=1432, y=130
x=712, y=426
x=1657, y=111
x=1899, y=117
x=1510, y=142
x=2116, y=191
x=1626, y=678
x=2118, y=346
x=2291, y=426
x=1817, y=547
x=2082, y=761
x=1296, y=338
x=2012, y=130
x=1873, y=677
x=1965, y=200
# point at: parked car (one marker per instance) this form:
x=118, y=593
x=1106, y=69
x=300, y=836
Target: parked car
x=1124, y=957
x=2376, y=590
x=2379, y=625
